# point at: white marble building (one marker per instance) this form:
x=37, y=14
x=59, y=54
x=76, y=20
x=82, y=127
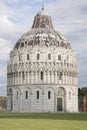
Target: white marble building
x=42, y=71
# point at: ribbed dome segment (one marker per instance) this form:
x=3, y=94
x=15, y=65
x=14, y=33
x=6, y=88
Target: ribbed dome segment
x=42, y=33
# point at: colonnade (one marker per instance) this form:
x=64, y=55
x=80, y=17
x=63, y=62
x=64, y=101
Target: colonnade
x=34, y=77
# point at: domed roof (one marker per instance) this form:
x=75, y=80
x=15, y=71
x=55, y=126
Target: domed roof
x=42, y=33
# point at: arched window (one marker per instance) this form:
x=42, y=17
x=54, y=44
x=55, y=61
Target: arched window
x=49, y=56
x=38, y=56
x=22, y=44
x=67, y=57
x=10, y=91
x=60, y=76
x=23, y=75
x=17, y=95
x=26, y=96
x=49, y=95
x=25, y=42
x=59, y=57
x=19, y=57
x=64, y=62
x=69, y=95
x=41, y=75
x=27, y=56
x=37, y=94
x=58, y=43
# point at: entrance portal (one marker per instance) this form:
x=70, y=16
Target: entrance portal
x=60, y=99
x=59, y=104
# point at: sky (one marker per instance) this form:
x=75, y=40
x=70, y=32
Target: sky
x=68, y=16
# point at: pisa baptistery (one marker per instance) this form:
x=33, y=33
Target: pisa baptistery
x=42, y=71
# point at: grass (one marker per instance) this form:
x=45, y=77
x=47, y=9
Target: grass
x=44, y=121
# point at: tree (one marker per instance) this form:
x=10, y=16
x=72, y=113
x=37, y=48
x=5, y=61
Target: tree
x=82, y=91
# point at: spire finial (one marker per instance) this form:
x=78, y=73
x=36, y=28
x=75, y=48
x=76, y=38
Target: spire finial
x=42, y=7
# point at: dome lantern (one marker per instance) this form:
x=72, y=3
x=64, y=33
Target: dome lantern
x=42, y=20
x=42, y=7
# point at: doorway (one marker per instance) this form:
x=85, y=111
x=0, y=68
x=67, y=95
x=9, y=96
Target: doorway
x=59, y=104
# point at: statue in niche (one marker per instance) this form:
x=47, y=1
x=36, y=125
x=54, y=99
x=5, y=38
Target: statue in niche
x=60, y=92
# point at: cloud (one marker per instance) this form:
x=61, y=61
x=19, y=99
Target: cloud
x=14, y=21
x=5, y=46
x=69, y=14
x=14, y=1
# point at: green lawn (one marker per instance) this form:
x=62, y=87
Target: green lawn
x=45, y=121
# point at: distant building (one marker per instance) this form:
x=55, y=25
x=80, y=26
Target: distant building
x=42, y=71
x=2, y=103
x=82, y=103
